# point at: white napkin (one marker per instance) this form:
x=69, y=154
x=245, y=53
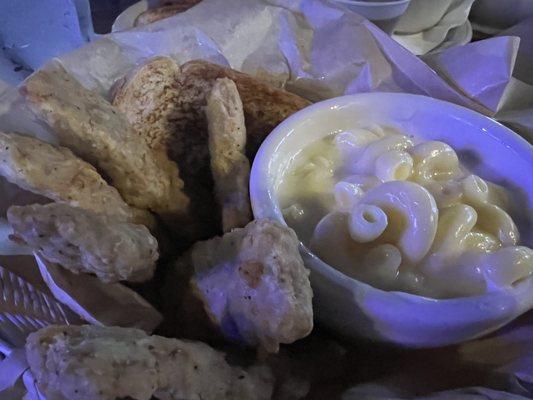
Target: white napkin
x=481, y=69
x=524, y=62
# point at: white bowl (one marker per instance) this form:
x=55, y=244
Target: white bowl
x=384, y=14
x=377, y=10
x=126, y=18
x=356, y=309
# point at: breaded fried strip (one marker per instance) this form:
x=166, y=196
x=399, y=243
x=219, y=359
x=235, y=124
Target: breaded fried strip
x=227, y=143
x=95, y=131
x=253, y=284
x=97, y=363
x=83, y=241
x=56, y=173
x=156, y=14
x=146, y=96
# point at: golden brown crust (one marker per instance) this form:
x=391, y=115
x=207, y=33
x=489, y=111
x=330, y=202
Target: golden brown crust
x=57, y=174
x=166, y=11
x=145, y=96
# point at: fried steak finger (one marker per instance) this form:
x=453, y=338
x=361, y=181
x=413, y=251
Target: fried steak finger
x=83, y=241
x=96, y=363
x=56, y=173
x=229, y=164
x=95, y=131
x=253, y=284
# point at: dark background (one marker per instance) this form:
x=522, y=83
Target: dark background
x=104, y=12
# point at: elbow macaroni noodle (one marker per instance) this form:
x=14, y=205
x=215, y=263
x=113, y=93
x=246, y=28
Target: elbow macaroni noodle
x=393, y=165
x=403, y=214
x=367, y=222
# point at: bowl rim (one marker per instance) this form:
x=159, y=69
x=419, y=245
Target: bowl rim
x=502, y=134
x=376, y=4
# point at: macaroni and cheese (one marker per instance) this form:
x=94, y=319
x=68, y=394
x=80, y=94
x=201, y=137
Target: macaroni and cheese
x=403, y=214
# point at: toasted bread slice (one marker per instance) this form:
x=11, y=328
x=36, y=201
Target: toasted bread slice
x=149, y=98
x=165, y=11
x=166, y=107
x=146, y=96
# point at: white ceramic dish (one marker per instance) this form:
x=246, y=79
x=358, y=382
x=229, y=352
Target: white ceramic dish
x=127, y=17
x=376, y=10
x=356, y=309
x=384, y=14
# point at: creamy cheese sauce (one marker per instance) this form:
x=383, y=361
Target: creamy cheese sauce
x=402, y=214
